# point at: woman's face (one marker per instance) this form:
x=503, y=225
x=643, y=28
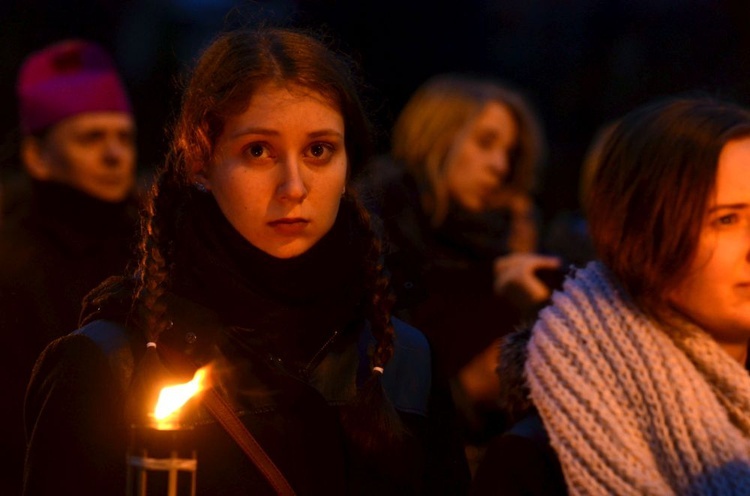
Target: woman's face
x=716, y=292
x=280, y=169
x=481, y=158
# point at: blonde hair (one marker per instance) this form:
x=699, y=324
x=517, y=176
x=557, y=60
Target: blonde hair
x=435, y=117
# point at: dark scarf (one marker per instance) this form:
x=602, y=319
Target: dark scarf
x=467, y=236
x=80, y=223
x=287, y=307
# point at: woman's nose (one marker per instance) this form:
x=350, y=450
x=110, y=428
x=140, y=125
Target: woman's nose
x=291, y=185
x=500, y=164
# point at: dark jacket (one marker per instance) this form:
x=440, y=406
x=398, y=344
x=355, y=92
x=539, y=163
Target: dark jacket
x=289, y=344
x=521, y=461
x=53, y=251
x=76, y=408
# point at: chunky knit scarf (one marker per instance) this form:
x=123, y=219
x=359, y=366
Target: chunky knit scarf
x=632, y=407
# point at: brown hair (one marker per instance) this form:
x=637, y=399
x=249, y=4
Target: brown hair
x=227, y=73
x=426, y=130
x=651, y=189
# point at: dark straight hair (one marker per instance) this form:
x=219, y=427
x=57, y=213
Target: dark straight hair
x=651, y=189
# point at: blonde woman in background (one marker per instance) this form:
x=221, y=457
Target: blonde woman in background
x=455, y=199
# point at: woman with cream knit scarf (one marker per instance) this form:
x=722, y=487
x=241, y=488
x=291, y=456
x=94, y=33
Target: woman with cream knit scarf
x=633, y=380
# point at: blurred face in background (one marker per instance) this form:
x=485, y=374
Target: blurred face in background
x=91, y=152
x=280, y=169
x=715, y=294
x=481, y=158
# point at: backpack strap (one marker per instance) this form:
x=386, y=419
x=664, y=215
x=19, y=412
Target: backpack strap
x=225, y=415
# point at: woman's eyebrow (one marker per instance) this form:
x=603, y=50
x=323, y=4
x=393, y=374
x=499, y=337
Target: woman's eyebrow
x=273, y=132
x=326, y=132
x=727, y=206
x=255, y=130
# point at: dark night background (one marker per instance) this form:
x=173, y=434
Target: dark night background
x=581, y=63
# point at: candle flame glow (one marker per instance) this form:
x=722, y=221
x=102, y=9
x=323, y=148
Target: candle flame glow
x=172, y=398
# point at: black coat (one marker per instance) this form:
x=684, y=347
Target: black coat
x=520, y=462
x=77, y=399
x=53, y=251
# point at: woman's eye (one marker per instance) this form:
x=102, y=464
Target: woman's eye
x=486, y=144
x=727, y=220
x=321, y=151
x=486, y=141
x=256, y=150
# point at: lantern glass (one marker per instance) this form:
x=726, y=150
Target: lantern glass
x=161, y=462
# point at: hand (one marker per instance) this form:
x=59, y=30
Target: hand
x=479, y=379
x=516, y=281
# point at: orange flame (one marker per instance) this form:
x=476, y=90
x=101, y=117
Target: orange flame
x=172, y=398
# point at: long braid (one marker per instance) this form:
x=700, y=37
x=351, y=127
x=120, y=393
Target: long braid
x=158, y=227
x=157, y=230
x=371, y=421
x=378, y=284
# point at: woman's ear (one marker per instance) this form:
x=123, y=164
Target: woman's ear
x=35, y=159
x=201, y=180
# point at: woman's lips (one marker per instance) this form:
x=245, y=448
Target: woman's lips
x=289, y=227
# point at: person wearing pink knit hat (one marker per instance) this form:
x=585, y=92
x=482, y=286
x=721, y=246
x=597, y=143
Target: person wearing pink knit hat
x=75, y=227
x=77, y=121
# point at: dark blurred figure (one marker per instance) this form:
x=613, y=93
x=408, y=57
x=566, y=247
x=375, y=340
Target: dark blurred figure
x=567, y=234
x=76, y=225
x=455, y=201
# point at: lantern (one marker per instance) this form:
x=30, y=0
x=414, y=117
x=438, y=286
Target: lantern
x=161, y=459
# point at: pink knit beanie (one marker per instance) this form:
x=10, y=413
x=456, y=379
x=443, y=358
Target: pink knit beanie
x=65, y=79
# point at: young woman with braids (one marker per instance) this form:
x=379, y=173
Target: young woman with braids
x=257, y=259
